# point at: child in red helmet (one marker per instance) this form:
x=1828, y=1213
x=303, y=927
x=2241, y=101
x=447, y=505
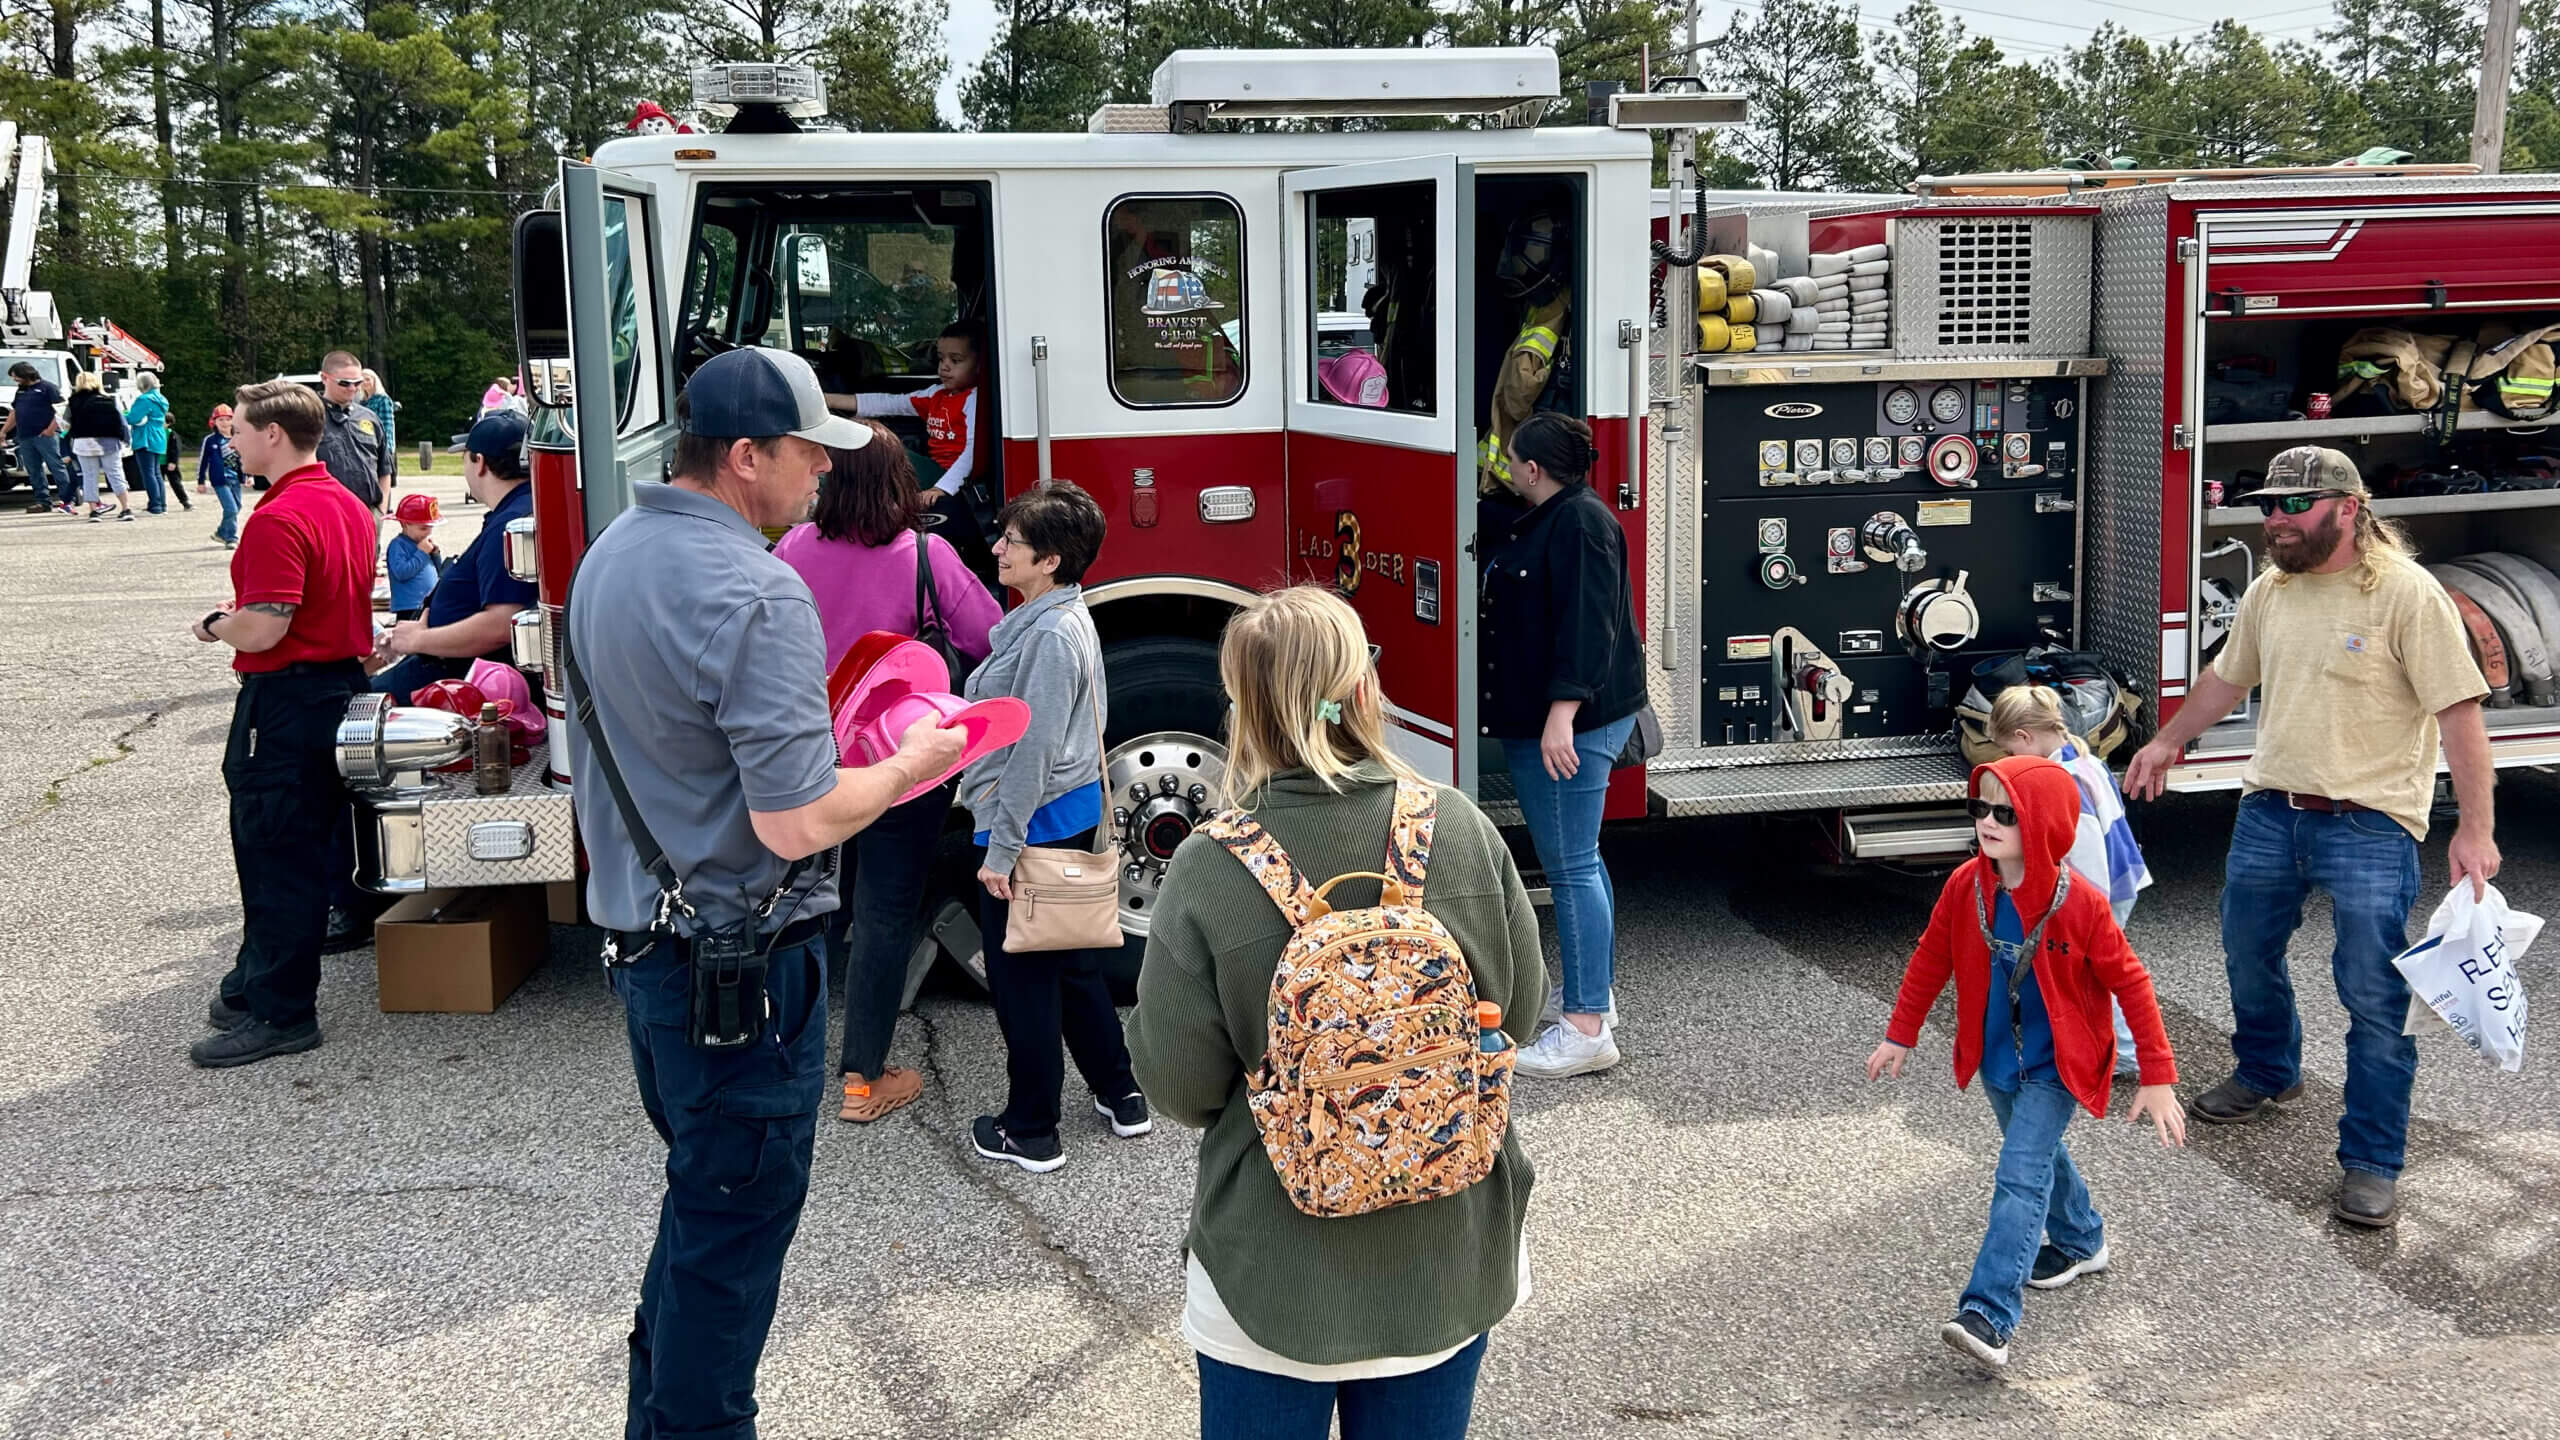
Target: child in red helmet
x=411, y=560
x=2036, y=959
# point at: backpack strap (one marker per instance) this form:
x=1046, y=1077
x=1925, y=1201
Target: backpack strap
x=1409, y=837
x=1267, y=863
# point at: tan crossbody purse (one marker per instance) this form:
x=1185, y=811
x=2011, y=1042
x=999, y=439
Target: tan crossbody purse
x=1066, y=899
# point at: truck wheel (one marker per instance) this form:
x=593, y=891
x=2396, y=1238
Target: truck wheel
x=1164, y=767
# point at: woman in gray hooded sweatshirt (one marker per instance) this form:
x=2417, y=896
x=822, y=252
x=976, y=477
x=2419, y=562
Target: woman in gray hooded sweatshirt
x=1046, y=789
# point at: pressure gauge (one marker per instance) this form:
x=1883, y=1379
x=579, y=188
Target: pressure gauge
x=1844, y=543
x=1910, y=449
x=1947, y=404
x=1879, y=451
x=1808, y=454
x=1773, y=454
x=1844, y=454
x=2016, y=446
x=1902, y=405
x=1773, y=535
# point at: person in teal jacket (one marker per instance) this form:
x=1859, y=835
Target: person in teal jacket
x=148, y=417
x=379, y=401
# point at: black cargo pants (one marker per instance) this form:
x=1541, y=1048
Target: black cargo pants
x=287, y=810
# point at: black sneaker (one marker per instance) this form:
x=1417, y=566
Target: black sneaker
x=255, y=1041
x=223, y=1015
x=2055, y=1269
x=2232, y=1103
x=1128, y=1115
x=996, y=1143
x=1972, y=1335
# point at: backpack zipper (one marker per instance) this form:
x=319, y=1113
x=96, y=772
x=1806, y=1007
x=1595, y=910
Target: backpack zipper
x=1375, y=1068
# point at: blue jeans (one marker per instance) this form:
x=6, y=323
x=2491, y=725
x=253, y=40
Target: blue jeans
x=41, y=457
x=229, y=496
x=1434, y=1404
x=739, y=1126
x=2369, y=866
x=2036, y=1195
x=146, y=467
x=872, y=935
x=1564, y=825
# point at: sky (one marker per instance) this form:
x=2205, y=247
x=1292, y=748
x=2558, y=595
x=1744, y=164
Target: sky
x=2012, y=23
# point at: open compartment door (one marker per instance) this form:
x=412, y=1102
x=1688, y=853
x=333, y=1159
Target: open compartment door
x=621, y=381
x=1381, y=470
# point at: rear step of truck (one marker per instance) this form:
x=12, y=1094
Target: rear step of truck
x=1930, y=777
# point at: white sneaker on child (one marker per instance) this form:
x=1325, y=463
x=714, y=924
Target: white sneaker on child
x=1554, y=1013
x=1562, y=1050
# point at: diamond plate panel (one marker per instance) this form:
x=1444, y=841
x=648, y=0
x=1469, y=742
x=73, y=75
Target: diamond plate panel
x=1672, y=493
x=551, y=814
x=2011, y=285
x=2420, y=187
x=2120, y=514
x=1822, y=785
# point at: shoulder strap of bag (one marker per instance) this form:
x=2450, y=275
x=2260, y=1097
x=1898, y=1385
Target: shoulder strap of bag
x=1409, y=837
x=929, y=626
x=653, y=856
x=1264, y=860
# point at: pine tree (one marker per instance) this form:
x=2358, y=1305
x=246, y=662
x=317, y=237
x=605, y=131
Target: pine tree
x=1805, y=72
x=1047, y=70
x=884, y=61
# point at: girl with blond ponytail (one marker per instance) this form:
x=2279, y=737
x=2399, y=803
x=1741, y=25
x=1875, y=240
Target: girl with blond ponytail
x=1383, y=1315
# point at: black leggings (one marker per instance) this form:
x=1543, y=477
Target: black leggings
x=1041, y=1000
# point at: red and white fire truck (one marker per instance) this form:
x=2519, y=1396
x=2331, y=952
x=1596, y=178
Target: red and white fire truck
x=1832, y=532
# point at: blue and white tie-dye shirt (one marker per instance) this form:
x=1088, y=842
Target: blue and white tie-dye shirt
x=2103, y=850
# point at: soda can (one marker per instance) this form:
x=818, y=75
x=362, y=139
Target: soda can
x=2213, y=494
x=2318, y=406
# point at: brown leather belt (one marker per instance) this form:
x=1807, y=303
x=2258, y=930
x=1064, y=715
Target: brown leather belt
x=2324, y=804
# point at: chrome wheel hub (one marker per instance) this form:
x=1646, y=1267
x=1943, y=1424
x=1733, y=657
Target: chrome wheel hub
x=1160, y=787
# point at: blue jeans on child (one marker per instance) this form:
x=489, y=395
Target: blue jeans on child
x=2369, y=866
x=1433, y=1404
x=1564, y=825
x=2036, y=1195
x=229, y=495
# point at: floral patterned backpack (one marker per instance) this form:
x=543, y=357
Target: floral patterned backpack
x=1376, y=1089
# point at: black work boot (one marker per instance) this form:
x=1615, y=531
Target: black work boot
x=257, y=1040
x=2232, y=1103
x=223, y=1015
x=2367, y=1199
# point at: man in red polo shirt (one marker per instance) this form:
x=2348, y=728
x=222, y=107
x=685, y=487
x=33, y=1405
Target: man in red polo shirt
x=300, y=618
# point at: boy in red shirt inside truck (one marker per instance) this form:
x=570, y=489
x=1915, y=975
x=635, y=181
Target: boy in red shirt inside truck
x=2036, y=959
x=949, y=409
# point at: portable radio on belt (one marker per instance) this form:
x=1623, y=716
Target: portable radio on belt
x=729, y=962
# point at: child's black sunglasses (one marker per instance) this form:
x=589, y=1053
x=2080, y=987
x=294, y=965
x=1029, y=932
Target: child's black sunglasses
x=2292, y=504
x=1980, y=809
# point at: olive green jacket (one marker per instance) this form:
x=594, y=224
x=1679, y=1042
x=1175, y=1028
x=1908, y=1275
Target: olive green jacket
x=1410, y=1280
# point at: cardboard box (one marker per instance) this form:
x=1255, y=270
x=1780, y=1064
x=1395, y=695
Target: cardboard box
x=460, y=952
x=568, y=901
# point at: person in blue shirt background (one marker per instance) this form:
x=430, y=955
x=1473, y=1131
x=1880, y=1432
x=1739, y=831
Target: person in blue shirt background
x=148, y=417
x=470, y=615
x=218, y=470
x=411, y=558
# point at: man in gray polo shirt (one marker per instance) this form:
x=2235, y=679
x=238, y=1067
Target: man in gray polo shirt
x=706, y=666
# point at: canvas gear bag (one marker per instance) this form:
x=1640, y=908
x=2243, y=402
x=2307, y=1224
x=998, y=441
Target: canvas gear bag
x=2097, y=708
x=1375, y=1089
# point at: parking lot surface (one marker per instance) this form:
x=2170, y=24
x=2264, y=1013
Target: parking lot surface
x=434, y=1226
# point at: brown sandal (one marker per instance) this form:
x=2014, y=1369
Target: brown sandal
x=867, y=1100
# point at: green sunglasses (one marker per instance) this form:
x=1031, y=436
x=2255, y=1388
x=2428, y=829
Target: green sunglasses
x=2293, y=504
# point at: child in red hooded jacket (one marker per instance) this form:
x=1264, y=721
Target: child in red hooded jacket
x=2036, y=960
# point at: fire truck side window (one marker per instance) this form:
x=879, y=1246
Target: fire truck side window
x=1177, y=304
x=625, y=303
x=1371, y=285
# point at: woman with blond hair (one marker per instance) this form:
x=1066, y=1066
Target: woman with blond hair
x=379, y=401
x=98, y=434
x=1381, y=1316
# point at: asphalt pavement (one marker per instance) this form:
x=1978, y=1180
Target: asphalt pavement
x=434, y=1226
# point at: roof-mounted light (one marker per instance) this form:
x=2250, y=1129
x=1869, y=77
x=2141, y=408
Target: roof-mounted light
x=795, y=90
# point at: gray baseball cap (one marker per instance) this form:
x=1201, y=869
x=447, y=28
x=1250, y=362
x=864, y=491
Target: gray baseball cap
x=756, y=393
x=2311, y=469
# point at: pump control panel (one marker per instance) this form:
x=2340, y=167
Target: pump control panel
x=1866, y=543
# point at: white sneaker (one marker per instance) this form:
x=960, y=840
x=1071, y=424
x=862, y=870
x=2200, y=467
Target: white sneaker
x=1554, y=1013
x=1563, y=1050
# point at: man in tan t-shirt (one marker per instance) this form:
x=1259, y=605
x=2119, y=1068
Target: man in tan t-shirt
x=2361, y=664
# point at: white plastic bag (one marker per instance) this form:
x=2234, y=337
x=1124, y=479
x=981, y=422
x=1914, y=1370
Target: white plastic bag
x=2464, y=972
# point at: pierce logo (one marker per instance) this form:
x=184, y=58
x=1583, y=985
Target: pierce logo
x=1793, y=410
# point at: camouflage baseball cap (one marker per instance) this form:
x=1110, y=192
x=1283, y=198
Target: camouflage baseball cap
x=2307, y=469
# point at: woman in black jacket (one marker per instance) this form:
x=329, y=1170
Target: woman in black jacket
x=96, y=428
x=1563, y=678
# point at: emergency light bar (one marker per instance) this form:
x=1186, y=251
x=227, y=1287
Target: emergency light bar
x=796, y=90
x=1514, y=85
x=1676, y=110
